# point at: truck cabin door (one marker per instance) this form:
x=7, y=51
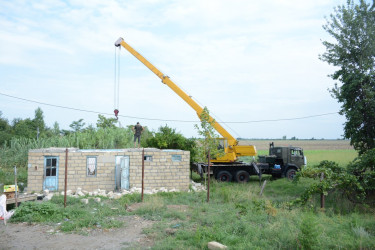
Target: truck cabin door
x=296, y=157
x=223, y=144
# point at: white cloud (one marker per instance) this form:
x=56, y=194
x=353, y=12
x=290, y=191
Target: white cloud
x=245, y=60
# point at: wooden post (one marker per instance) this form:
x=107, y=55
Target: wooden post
x=66, y=175
x=322, y=198
x=143, y=170
x=208, y=174
x=15, y=183
x=263, y=186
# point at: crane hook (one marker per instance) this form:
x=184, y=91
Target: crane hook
x=116, y=113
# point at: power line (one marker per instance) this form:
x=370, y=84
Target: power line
x=165, y=120
x=286, y=119
x=91, y=111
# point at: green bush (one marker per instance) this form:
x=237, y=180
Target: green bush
x=168, y=138
x=38, y=212
x=364, y=168
x=74, y=217
x=330, y=177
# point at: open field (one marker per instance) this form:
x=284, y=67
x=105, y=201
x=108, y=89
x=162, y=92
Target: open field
x=342, y=156
x=305, y=144
x=315, y=151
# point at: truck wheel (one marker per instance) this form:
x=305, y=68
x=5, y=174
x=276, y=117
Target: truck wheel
x=242, y=176
x=291, y=173
x=224, y=176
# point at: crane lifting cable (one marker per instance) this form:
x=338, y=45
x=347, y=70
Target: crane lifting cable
x=117, y=82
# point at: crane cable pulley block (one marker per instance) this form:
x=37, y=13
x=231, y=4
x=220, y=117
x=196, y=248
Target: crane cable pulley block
x=117, y=82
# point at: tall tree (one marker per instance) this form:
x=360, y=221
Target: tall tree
x=168, y=138
x=56, y=128
x=106, y=122
x=24, y=128
x=5, y=130
x=352, y=50
x=210, y=140
x=77, y=126
x=39, y=120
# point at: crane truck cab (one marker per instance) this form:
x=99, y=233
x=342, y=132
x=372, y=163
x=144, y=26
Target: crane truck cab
x=282, y=161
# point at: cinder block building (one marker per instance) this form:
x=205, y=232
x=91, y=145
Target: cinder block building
x=107, y=169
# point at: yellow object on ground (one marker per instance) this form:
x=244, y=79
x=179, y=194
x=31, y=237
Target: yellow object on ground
x=10, y=188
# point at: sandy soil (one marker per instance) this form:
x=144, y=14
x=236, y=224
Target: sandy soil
x=37, y=236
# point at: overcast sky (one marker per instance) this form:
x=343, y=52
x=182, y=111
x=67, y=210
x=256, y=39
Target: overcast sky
x=247, y=61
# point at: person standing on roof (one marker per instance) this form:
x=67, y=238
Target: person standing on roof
x=137, y=134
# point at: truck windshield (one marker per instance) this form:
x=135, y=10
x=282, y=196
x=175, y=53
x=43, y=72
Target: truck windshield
x=296, y=152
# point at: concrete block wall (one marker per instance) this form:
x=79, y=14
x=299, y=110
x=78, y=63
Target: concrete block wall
x=161, y=171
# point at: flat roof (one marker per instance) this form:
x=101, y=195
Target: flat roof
x=62, y=150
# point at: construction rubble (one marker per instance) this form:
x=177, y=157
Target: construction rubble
x=47, y=195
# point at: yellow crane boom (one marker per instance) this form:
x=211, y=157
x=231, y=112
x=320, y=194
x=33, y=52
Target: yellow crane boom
x=232, y=149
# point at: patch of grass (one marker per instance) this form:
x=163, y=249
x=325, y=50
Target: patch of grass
x=155, y=207
x=75, y=216
x=38, y=212
x=314, y=157
x=308, y=232
x=342, y=157
x=283, y=190
x=237, y=217
x=129, y=199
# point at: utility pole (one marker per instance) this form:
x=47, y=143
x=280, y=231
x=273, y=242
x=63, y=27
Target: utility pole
x=208, y=174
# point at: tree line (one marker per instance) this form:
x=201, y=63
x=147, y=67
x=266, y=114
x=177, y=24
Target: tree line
x=35, y=128
x=352, y=51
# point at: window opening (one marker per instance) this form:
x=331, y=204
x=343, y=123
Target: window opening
x=91, y=166
x=51, y=164
x=176, y=157
x=148, y=158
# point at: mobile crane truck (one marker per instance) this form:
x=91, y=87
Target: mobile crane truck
x=281, y=161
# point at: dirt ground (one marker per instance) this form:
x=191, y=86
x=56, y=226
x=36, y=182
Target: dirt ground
x=37, y=236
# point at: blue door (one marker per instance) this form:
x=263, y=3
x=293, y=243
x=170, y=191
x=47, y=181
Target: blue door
x=125, y=167
x=51, y=173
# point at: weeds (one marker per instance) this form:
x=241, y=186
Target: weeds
x=309, y=232
x=236, y=216
x=72, y=218
x=38, y=212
